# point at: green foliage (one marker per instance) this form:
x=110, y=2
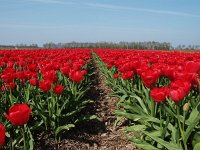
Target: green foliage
x=55, y=113
x=154, y=125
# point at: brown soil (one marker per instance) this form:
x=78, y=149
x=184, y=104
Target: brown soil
x=92, y=135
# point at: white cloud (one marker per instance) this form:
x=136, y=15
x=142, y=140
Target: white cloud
x=115, y=7
x=166, y=12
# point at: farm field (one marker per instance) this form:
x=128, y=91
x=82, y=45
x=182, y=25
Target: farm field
x=81, y=98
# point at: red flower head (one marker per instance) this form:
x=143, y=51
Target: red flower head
x=84, y=72
x=178, y=90
x=10, y=64
x=183, y=85
x=127, y=75
x=32, y=67
x=149, y=77
x=8, y=86
x=115, y=76
x=77, y=66
x=76, y=76
x=18, y=114
x=168, y=71
x=58, y=89
x=45, y=85
x=8, y=77
x=176, y=95
x=2, y=135
x=33, y=82
x=20, y=75
x=192, y=67
x=126, y=67
x=159, y=94
x=50, y=75
x=109, y=66
x=65, y=70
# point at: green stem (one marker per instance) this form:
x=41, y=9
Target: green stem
x=24, y=138
x=152, y=108
x=10, y=97
x=180, y=127
x=161, y=121
x=165, y=128
x=139, y=84
x=184, y=120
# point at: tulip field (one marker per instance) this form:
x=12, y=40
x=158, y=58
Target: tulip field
x=46, y=90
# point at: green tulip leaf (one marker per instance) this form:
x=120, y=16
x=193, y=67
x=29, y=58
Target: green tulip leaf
x=197, y=146
x=194, y=120
x=65, y=127
x=167, y=145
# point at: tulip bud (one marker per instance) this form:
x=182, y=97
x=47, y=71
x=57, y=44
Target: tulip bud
x=186, y=107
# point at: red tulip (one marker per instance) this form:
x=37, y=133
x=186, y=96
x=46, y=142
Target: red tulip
x=76, y=76
x=18, y=114
x=126, y=67
x=159, y=94
x=58, y=89
x=8, y=86
x=33, y=82
x=184, y=76
x=176, y=95
x=183, y=85
x=84, y=72
x=127, y=75
x=115, y=76
x=2, y=135
x=32, y=67
x=77, y=66
x=109, y=66
x=149, y=77
x=178, y=90
x=65, y=70
x=20, y=75
x=168, y=71
x=45, y=85
x=192, y=67
x=142, y=68
x=8, y=77
x=10, y=64
x=50, y=75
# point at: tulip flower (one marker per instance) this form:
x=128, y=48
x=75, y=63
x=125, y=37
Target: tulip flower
x=149, y=77
x=176, y=95
x=58, y=89
x=159, y=94
x=45, y=85
x=76, y=76
x=33, y=82
x=192, y=67
x=115, y=76
x=18, y=114
x=127, y=75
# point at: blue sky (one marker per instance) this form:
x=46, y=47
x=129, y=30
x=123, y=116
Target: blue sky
x=40, y=21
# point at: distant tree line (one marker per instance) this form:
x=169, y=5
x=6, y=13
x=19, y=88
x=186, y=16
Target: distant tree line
x=188, y=47
x=122, y=45
x=17, y=46
x=118, y=45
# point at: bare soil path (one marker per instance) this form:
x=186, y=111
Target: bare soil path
x=93, y=135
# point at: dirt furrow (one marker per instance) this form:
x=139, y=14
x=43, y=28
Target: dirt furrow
x=94, y=135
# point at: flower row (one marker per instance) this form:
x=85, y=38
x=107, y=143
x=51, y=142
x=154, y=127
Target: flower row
x=42, y=90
